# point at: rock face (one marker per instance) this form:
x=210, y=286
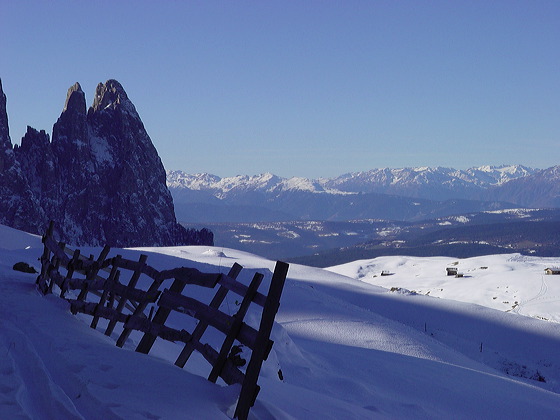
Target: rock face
x=19, y=207
x=100, y=179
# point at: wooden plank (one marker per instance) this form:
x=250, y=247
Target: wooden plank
x=231, y=374
x=57, y=251
x=70, y=271
x=131, y=265
x=160, y=317
x=151, y=296
x=109, y=285
x=202, y=325
x=249, y=388
x=91, y=274
x=131, y=285
x=215, y=318
x=45, y=258
x=91, y=308
x=240, y=289
x=56, y=266
x=235, y=327
x=191, y=276
x=181, y=274
x=139, y=310
x=162, y=331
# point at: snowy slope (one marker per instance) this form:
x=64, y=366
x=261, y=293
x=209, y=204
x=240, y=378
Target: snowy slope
x=510, y=282
x=346, y=349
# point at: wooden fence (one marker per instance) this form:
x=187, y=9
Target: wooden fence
x=100, y=292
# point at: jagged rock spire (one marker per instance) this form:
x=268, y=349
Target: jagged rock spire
x=5, y=142
x=71, y=125
x=109, y=95
x=19, y=208
x=75, y=99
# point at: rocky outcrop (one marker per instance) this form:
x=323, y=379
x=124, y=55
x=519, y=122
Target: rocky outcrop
x=19, y=207
x=100, y=179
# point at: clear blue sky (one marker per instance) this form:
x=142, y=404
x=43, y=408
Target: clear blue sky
x=301, y=88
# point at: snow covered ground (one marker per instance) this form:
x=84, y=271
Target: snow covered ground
x=346, y=347
x=514, y=282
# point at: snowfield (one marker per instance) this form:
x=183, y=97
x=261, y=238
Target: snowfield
x=346, y=346
x=513, y=282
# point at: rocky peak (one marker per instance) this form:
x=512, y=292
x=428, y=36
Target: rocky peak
x=71, y=130
x=75, y=100
x=110, y=95
x=35, y=158
x=18, y=206
x=100, y=179
x=5, y=142
x=33, y=139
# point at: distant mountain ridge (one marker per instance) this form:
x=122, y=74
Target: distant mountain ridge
x=421, y=182
x=432, y=183
x=399, y=194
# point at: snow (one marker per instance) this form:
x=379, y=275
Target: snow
x=346, y=347
x=101, y=150
x=508, y=282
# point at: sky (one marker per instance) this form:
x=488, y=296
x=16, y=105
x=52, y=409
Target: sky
x=312, y=89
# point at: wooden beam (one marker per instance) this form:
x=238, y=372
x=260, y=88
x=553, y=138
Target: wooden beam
x=240, y=289
x=71, y=267
x=202, y=325
x=160, y=317
x=92, y=272
x=131, y=285
x=109, y=285
x=235, y=328
x=249, y=388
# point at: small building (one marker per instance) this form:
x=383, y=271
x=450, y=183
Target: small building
x=552, y=270
x=451, y=271
x=459, y=274
x=385, y=273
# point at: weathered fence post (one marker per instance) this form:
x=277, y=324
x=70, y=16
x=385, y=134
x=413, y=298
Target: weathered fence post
x=56, y=259
x=91, y=272
x=71, y=267
x=108, y=287
x=235, y=327
x=45, y=257
x=131, y=285
x=249, y=388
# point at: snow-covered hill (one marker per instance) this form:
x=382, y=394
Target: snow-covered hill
x=510, y=283
x=346, y=348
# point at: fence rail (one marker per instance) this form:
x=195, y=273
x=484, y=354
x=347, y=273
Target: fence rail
x=98, y=290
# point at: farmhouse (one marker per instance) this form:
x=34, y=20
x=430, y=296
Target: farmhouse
x=451, y=271
x=552, y=270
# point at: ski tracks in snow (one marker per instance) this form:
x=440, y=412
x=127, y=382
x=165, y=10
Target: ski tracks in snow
x=542, y=295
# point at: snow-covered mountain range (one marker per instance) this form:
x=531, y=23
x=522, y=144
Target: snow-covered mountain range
x=432, y=183
x=398, y=194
